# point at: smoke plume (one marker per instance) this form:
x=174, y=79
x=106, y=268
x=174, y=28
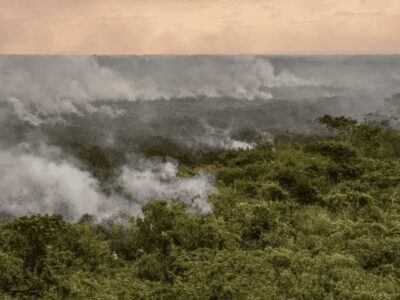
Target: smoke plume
x=150, y=179
x=45, y=181
x=99, y=135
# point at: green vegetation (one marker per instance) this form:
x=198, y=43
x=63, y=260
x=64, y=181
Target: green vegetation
x=312, y=219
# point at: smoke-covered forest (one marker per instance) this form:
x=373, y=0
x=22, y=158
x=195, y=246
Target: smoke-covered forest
x=204, y=177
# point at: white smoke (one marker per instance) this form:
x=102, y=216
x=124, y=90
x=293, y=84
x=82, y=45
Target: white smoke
x=220, y=142
x=31, y=184
x=237, y=145
x=43, y=181
x=239, y=77
x=213, y=138
x=22, y=112
x=149, y=179
x=39, y=90
x=39, y=87
x=43, y=87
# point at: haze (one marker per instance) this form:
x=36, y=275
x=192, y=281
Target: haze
x=189, y=27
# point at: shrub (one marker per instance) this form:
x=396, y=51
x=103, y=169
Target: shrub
x=272, y=191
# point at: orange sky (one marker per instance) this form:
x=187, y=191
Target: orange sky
x=199, y=26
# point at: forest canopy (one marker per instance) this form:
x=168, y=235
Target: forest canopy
x=315, y=218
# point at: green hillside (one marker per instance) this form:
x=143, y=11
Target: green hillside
x=311, y=218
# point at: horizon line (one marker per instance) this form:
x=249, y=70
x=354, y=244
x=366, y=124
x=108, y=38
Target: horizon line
x=212, y=54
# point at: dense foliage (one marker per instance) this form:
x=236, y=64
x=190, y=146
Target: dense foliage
x=309, y=219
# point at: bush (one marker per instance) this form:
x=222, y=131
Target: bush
x=272, y=191
x=339, y=152
x=11, y=272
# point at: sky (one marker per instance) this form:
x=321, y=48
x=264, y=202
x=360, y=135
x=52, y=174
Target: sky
x=199, y=26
